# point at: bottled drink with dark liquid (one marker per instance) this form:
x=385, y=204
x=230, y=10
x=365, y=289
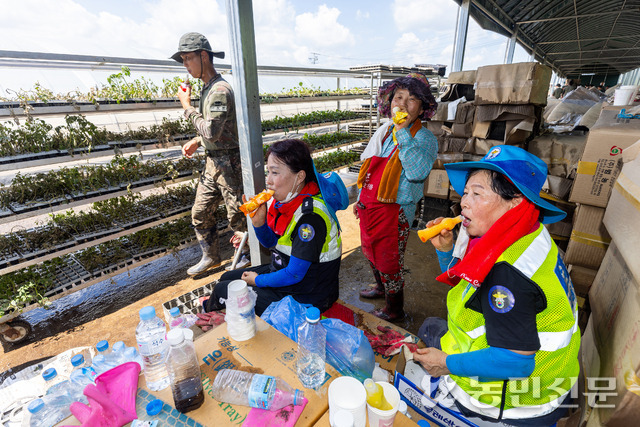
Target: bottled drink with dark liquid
x=184, y=372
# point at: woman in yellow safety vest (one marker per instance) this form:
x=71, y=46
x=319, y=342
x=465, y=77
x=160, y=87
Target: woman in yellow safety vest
x=509, y=348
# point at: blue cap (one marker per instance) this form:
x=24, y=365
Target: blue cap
x=49, y=374
x=313, y=314
x=526, y=171
x=147, y=313
x=77, y=360
x=154, y=407
x=175, y=311
x=35, y=406
x=102, y=345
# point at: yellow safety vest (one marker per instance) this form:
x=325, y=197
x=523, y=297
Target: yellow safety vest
x=556, y=362
x=332, y=247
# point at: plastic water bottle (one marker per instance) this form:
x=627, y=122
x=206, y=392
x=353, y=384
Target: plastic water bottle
x=42, y=414
x=103, y=347
x=101, y=364
x=176, y=318
x=82, y=375
x=153, y=348
x=117, y=353
x=184, y=372
x=255, y=390
x=62, y=391
x=312, y=341
x=132, y=355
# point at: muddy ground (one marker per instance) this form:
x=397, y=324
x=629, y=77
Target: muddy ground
x=109, y=310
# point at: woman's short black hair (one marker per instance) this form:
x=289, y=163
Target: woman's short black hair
x=296, y=155
x=500, y=184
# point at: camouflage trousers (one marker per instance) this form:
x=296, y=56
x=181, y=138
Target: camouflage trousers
x=220, y=181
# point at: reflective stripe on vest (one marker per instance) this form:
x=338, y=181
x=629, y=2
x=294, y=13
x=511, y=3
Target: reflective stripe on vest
x=519, y=413
x=332, y=247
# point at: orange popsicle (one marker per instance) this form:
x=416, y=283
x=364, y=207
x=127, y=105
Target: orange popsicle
x=399, y=116
x=252, y=205
x=434, y=230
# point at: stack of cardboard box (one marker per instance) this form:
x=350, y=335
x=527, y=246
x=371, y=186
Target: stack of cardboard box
x=509, y=100
x=597, y=171
x=611, y=345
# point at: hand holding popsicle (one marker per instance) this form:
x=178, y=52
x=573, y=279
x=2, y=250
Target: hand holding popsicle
x=446, y=224
x=251, y=206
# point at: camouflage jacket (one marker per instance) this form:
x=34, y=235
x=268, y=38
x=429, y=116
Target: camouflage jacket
x=216, y=122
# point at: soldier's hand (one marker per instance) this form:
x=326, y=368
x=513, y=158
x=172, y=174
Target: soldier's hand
x=185, y=96
x=190, y=147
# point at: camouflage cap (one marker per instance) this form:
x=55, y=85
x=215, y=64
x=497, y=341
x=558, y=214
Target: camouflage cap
x=191, y=42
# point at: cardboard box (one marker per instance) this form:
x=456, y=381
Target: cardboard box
x=615, y=304
x=462, y=130
x=557, y=187
x=462, y=77
x=434, y=126
x=561, y=153
x=622, y=216
x=437, y=184
x=268, y=352
x=465, y=112
x=522, y=83
x=582, y=278
x=600, y=164
x=589, y=238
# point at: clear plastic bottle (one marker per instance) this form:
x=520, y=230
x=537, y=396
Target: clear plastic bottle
x=150, y=335
x=43, y=414
x=177, y=320
x=64, y=392
x=81, y=375
x=103, y=347
x=255, y=390
x=132, y=355
x=117, y=353
x=101, y=364
x=184, y=372
x=312, y=340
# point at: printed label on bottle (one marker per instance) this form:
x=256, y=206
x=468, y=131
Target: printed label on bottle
x=151, y=347
x=261, y=391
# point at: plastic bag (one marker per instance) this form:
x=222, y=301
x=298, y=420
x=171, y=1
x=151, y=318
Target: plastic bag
x=348, y=350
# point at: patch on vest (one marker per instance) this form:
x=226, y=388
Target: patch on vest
x=217, y=107
x=501, y=299
x=306, y=232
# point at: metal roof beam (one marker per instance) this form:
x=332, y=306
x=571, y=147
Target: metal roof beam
x=584, y=15
x=590, y=39
x=592, y=51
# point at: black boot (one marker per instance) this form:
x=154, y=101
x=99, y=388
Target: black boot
x=208, y=241
x=394, y=308
x=373, y=291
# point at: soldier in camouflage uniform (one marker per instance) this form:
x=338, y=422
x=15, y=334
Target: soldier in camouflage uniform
x=215, y=122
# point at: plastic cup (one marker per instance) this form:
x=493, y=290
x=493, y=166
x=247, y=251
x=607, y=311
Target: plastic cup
x=625, y=95
x=348, y=394
x=241, y=315
x=379, y=418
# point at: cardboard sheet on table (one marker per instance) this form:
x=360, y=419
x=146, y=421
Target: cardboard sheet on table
x=269, y=352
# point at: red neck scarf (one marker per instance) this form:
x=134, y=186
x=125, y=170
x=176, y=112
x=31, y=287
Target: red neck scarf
x=482, y=255
x=278, y=218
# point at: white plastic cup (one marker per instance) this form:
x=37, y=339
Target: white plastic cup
x=348, y=394
x=625, y=95
x=241, y=315
x=379, y=418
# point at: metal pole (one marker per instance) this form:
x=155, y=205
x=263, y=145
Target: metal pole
x=511, y=47
x=461, y=36
x=371, y=107
x=245, y=85
x=338, y=103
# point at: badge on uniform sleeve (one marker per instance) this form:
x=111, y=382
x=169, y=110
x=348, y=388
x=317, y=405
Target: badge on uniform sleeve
x=306, y=232
x=501, y=299
x=218, y=106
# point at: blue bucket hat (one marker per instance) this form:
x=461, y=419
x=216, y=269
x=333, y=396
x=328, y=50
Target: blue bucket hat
x=526, y=171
